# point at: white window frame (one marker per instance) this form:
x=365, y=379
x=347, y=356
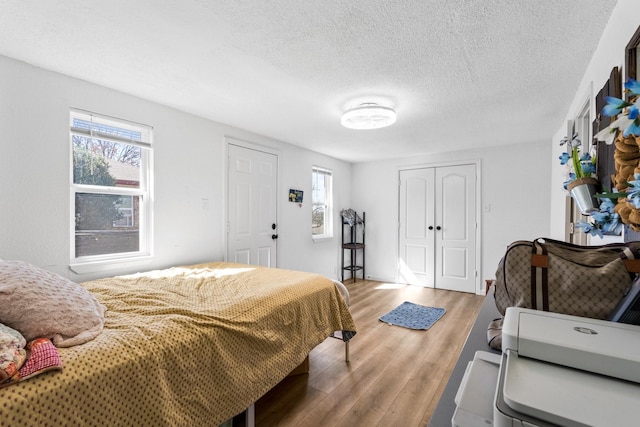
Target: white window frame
x=144, y=254
x=328, y=202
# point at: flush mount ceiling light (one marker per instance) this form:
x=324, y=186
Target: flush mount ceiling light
x=368, y=116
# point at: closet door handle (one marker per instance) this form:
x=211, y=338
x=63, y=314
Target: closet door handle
x=431, y=227
x=438, y=228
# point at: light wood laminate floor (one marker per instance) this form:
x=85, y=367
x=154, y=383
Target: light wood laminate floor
x=395, y=376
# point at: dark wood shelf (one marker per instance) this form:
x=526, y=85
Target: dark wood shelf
x=350, y=233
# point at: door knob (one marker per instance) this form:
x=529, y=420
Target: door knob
x=438, y=228
x=431, y=227
x=274, y=236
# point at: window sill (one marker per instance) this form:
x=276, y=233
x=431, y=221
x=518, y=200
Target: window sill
x=110, y=264
x=321, y=238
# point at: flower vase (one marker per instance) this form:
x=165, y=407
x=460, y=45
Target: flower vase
x=583, y=191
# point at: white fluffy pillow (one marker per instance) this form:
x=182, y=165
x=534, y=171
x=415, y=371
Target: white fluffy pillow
x=42, y=304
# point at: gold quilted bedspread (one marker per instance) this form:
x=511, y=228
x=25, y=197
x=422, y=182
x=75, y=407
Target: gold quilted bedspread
x=186, y=346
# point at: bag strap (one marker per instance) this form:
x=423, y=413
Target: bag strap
x=629, y=253
x=618, y=246
x=539, y=276
x=630, y=256
x=633, y=265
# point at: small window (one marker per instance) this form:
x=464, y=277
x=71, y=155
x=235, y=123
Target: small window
x=110, y=188
x=321, y=203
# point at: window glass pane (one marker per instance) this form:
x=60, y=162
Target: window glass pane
x=105, y=129
x=318, y=220
x=318, y=205
x=98, y=228
x=321, y=202
x=105, y=163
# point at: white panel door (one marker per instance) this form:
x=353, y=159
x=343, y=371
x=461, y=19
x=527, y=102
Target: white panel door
x=252, y=183
x=416, y=216
x=437, y=230
x=455, y=202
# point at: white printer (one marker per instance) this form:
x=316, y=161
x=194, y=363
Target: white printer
x=554, y=370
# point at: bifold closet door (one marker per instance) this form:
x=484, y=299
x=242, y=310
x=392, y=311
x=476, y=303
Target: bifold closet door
x=437, y=232
x=416, y=230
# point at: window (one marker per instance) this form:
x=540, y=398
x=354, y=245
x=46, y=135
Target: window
x=110, y=189
x=321, y=203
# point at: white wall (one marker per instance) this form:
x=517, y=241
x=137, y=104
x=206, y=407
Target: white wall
x=190, y=165
x=515, y=180
x=610, y=53
x=296, y=248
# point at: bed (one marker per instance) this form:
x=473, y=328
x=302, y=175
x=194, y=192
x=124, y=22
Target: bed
x=191, y=345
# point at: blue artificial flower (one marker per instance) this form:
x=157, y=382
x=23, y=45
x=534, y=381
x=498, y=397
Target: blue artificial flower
x=614, y=106
x=632, y=129
x=629, y=121
x=607, y=134
x=606, y=219
x=614, y=225
x=588, y=228
x=600, y=216
x=564, y=158
x=572, y=177
x=607, y=205
x=633, y=191
x=633, y=86
x=574, y=142
x=588, y=168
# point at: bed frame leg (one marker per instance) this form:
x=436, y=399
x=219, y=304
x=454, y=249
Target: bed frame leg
x=246, y=419
x=345, y=295
x=251, y=415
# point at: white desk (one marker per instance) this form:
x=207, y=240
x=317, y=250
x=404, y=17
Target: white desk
x=476, y=340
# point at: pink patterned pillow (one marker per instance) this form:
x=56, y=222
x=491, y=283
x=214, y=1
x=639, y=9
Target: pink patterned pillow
x=39, y=303
x=43, y=357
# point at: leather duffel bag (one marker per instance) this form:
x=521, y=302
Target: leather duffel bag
x=551, y=275
x=561, y=277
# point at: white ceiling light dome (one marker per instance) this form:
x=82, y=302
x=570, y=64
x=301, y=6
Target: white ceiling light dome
x=368, y=116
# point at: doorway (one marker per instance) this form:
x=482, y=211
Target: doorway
x=252, y=179
x=438, y=229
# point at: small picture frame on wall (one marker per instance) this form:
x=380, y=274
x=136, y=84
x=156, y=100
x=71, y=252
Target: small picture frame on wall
x=295, y=196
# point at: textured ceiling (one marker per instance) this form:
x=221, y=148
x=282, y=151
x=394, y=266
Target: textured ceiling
x=459, y=73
